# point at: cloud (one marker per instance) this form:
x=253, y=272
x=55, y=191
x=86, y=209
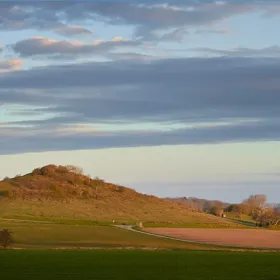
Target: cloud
x=272, y=51
x=73, y=31
x=152, y=18
x=213, y=31
x=178, y=35
x=143, y=33
x=37, y=46
x=34, y=140
x=8, y=65
x=23, y=15
x=157, y=16
x=132, y=56
x=205, y=100
x=149, y=18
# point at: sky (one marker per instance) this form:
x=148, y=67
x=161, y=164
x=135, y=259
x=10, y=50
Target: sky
x=173, y=98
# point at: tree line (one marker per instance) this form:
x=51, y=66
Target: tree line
x=255, y=206
x=200, y=205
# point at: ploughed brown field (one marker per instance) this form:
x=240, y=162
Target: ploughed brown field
x=258, y=238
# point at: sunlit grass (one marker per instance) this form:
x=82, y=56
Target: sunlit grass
x=162, y=265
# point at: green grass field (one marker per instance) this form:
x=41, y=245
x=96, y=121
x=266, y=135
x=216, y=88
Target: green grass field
x=47, y=235
x=243, y=220
x=138, y=265
x=191, y=222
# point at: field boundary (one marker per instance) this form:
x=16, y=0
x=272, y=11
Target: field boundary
x=27, y=221
x=130, y=228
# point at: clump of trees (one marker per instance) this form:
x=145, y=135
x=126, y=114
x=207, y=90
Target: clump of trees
x=257, y=207
x=6, y=238
x=217, y=211
x=51, y=169
x=201, y=205
x=69, y=179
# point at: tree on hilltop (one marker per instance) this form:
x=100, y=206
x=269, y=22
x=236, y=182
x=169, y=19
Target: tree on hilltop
x=75, y=169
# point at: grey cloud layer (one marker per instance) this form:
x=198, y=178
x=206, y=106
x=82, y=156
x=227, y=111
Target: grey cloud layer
x=73, y=31
x=273, y=51
x=23, y=15
x=147, y=18
x=51, y=142
x=243, y=92
x=44, y=46
x=12, y=64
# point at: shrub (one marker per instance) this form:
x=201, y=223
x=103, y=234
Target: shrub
x=87, y=181
x=61, y=169
x=8, y=193
x=48, y=170
x=85, y=194
x=274, y=227
x=71, y=181
x=98, y=180
x=120, y=189
x=37, y=171
x=14, y=184
x=74, y=169
x=6, y=238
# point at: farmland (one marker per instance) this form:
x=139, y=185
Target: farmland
x=53, y=235
x=254, y=238
x=175, y=265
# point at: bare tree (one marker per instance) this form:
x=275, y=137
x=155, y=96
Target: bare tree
x=98, y=180
x=275, y=219
x=258, y=200
x=75, y=169
x=6, y=238
x=267, y=216
x=255, y=203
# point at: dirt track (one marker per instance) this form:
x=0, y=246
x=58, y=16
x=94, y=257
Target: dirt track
x=255, y=238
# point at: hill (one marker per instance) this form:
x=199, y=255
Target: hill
x=65, y=193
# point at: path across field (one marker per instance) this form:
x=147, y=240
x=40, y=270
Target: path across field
x=265, y=239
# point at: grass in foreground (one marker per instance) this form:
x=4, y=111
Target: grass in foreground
x=42, y=235
x=163, y=265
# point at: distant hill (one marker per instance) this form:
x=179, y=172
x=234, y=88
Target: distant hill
x=199, y=204
x=63, y=192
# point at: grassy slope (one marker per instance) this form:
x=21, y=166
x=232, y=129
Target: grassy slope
x=42, y=235
x=244, y=220
x=66, y=195
x=45, y=265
